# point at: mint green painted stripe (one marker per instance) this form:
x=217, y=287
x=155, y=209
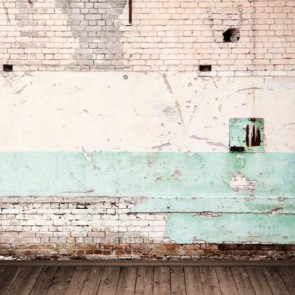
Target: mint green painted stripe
x=163, y=174
x=238, y=228
x=217, y=204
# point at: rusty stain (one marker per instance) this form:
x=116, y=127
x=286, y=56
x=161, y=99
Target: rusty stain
x=255, y=136
x=247, y=136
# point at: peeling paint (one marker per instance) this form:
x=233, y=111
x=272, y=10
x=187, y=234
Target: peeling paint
x=231, y=228
x=127, y=174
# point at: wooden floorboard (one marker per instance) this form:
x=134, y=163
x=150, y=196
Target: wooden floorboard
x=242, y=281
x=92, y=281
x=274, y=280
x=190, y=280
x=109, y=281
x=226, y=280
x=24, y=281
x=7, y=279
x=210, y=281
x=127, y=281
x=193, y=281
x=162, y=281
x=61, y=281
x=258, y=281
x=288, y=278
x=77, y=281
x=44, y=281
x=144, y=281
x=177, y=281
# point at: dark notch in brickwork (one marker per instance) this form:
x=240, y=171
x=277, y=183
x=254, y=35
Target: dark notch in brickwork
x=7, y=68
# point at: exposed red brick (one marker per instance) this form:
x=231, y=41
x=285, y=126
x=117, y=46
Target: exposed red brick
x=150, y=251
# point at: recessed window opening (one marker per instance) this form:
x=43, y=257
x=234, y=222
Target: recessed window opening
x=231, y=35
x=7, y=68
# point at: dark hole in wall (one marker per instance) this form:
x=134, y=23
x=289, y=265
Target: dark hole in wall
x=231, y=35
x=237, y=149
x=205, y=68
x=7, y=68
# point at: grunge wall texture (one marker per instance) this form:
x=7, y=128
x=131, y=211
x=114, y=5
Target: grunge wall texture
x=115, y=145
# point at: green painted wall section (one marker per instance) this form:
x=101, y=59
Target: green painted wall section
x=218, y=204
x=162, y=174
x=238, y=228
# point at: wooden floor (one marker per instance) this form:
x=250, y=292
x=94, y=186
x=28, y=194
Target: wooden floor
x=49, y=280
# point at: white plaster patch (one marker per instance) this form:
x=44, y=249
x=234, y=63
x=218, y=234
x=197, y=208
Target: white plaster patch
x=99, y=111
x=239, y=182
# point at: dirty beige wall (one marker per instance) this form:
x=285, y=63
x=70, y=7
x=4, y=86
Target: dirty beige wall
x=165, y=35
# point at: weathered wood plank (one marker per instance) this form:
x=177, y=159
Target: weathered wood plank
x=127, y=281
x=274, y=280
x=109, y=281
x=7, y=278
x=77, y=281
x=177, y=280
x=61, y=281
x=242, y=280
x=44, y=280
x=226, y=281
x=193, y=281
x=161, y=281
x=292, y=269
x=145, y=281
x=210, y=281
x=288, y=278
x=258, y=281
x=2, y=270
x=24, y=281
x=92, y=281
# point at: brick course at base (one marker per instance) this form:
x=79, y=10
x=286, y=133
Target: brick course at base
x=149, y=251
x=104, y=228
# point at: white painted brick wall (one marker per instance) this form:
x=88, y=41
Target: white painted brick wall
x=166, y=35
x=35, y=220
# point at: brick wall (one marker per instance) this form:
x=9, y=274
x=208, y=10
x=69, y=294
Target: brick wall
x=165, y=35
x=104, y=228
